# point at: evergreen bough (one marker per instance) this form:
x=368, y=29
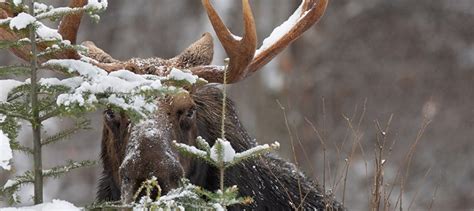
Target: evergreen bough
x=82, y=88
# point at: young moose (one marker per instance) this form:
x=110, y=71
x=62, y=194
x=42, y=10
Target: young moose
x=132, y=153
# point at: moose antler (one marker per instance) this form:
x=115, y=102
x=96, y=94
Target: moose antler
x=70, y=23
x=68, y=30
x=245, y=59
x=241, y=51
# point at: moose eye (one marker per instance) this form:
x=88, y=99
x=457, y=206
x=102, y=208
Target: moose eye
x=191, y=112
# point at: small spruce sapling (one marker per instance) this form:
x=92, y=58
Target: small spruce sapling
x=223, y=156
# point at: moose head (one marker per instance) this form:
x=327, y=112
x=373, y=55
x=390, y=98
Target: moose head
x=132, y=153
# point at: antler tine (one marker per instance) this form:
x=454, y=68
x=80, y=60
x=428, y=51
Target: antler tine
x=70, y=23
x=240, y=50
x=311, y=13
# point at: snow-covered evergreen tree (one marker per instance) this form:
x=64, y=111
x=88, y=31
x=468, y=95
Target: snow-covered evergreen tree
x=82, y=88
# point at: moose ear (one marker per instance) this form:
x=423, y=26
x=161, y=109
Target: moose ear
x=199, y=53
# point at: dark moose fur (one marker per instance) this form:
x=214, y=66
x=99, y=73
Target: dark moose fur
x=269, y=180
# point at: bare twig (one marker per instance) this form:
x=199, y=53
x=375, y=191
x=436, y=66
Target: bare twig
x=433, y=198
x=292, y=147
x=418, y=189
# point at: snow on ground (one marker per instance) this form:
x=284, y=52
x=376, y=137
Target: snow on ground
x=5, y=151
x=55, y=205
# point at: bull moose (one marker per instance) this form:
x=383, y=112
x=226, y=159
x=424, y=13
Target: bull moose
x=134, y=152
x=131, y=153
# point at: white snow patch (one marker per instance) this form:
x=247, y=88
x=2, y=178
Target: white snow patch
x=218, y=207
x=46, y=33
x=68, y=99
x=228, y=153
x=126, y=75
x=252, y=151
x=55, y=205
x=191, y=149
x=97, y=4
x=50, y=81
x=238, y=38
x=6, y=153
x=40, y=7
x=257, y=149
x=10, y=183
x=21, y=21
x=136, y=103
x=17, y=2
x=5, y=21
x=281, y=30
x=72, y=82
x=6, y=86
x=179, y=75
x=77, y=66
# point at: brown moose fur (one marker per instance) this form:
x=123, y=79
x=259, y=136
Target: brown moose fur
x=271, y=181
